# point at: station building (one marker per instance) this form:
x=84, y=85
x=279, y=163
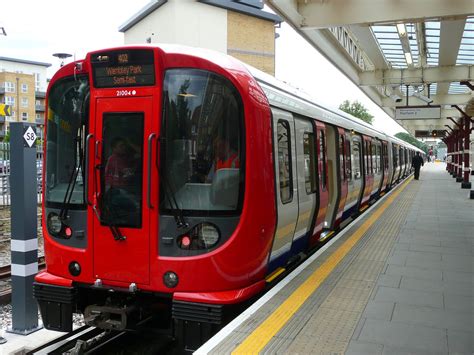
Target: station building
x=238, y=28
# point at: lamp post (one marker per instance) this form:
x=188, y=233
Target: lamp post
x=62, y=57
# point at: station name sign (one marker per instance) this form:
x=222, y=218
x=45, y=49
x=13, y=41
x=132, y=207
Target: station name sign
x=418, y=112
x=123, y=68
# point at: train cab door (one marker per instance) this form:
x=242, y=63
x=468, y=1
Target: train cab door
x=121, y=201
x=286, y=185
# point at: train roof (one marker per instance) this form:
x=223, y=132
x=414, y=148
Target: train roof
x=292, y=99
x=278, y=93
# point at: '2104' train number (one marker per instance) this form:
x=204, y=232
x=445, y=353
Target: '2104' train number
x=126, y=92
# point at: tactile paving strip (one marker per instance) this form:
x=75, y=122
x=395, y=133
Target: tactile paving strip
x=326, y=321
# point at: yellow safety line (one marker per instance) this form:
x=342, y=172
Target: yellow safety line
x=275, y=274
x=260, y=337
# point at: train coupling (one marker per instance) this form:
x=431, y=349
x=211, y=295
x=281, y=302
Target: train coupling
x=106, y=317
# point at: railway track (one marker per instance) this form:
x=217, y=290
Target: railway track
x=5, y=274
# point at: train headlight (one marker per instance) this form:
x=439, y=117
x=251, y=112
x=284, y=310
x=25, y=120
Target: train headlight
x=202, y=236
x=170, y=279
x=207, y=234
x=54, y=224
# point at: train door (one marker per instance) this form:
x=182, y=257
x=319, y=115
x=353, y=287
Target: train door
x=306, y=163
x=352, y=194
x=332, y=176
x=395, y=166
x=342, y=174
x=376, y=163
x=368, y=172
x=121, y=235
x=385, y=165
x=286, y=184
x=358, y=183
x=323, y=190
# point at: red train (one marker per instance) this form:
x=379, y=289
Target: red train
x=180, y=182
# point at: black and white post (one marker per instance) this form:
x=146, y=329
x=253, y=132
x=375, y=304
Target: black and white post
x=24, y=239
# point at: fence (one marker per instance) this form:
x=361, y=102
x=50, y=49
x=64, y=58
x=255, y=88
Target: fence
x=5, y=197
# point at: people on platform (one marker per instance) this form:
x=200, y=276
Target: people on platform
x=417, y=163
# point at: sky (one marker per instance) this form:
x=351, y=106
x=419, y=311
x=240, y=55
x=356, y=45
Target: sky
x=52, y=26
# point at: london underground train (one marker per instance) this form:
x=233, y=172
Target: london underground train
x=180, y=182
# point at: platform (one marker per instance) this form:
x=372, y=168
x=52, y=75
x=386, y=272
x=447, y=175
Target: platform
x=398, y=281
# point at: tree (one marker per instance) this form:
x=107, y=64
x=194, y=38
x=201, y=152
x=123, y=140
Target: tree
x=356, y=109
x=412, y=140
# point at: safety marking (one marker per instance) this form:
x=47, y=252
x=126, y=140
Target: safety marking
x=24, y=246
x=24, y=270
x=275, y=274
x=260, y=337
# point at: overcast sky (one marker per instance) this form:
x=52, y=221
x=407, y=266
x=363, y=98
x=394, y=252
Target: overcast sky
x=47, y=27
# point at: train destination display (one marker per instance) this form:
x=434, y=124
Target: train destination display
x=119, y=69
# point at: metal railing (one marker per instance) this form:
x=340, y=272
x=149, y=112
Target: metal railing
x=5, y=196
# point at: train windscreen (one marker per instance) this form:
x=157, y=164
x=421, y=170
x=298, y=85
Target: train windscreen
x=68, y=113
x=202, y=143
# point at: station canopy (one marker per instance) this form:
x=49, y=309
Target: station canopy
x=415, y=59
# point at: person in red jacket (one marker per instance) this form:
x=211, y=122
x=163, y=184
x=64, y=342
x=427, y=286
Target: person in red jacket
x=225, y=157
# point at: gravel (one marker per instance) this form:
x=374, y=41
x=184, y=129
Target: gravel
x=6, y=317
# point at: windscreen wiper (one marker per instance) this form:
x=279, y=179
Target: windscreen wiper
x=177, y=212
x=73, y=178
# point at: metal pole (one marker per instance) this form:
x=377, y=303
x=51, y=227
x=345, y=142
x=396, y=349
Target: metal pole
x=459, y=154
x=24, y=241
x=455, y=156
x=467, y=128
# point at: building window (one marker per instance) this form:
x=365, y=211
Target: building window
x=24, y=88
x=24, y=116
x=9, y=86
x=10, y=100
x=38, y=116
x=24, y=102
x=12, y=117
x=37, y=81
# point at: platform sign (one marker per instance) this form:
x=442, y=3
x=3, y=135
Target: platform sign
x=417, y=112
x=5, y=110
x=29, y=136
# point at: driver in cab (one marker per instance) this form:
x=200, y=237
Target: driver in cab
x=225, y=157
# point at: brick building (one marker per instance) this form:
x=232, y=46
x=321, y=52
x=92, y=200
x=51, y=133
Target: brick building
x=22, y=86
x=239, y=28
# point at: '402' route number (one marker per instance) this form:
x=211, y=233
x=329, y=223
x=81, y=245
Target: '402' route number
x=125, y=92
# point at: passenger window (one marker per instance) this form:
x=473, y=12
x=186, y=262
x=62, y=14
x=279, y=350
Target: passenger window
x=341, y=157
x=356, y=159
x=309, y=162
x=284, y=161
x=322, y=159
